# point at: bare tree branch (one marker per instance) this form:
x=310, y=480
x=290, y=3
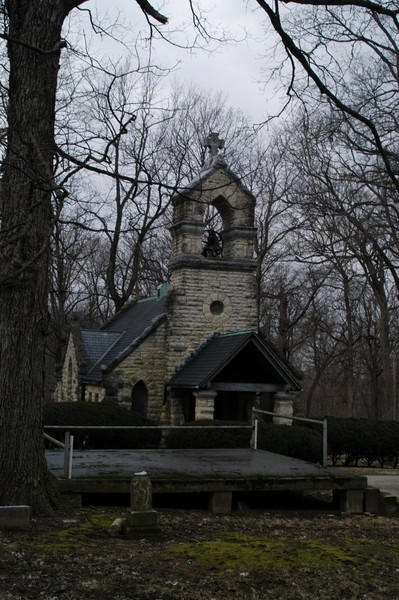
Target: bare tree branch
x=148, y=9
x=376, y=7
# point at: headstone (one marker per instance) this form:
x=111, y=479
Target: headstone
x=15, y=517
x=141, y=519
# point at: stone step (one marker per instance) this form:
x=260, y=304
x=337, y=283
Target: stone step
x=380, y=503
x=391, y=504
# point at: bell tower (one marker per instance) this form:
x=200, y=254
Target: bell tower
x=212, y=264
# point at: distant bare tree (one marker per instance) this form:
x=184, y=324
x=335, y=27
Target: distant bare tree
x=347, y=52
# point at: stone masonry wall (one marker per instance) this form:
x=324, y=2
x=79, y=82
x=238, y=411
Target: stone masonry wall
x=146, y=363
x=190, y=317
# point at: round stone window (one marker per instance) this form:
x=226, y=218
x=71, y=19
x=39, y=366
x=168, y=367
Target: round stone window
x=216, y=308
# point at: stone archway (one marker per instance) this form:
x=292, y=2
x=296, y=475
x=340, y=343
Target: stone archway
x=140, y=398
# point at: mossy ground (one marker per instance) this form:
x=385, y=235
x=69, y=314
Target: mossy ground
x=74, y=536
x=248, y=555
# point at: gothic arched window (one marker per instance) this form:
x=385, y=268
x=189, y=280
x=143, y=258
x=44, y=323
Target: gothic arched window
x=140, y=398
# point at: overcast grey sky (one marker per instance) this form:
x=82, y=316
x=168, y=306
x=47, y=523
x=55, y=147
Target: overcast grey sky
x=234, y=68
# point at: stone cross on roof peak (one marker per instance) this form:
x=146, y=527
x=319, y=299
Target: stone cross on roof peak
x=213, y=143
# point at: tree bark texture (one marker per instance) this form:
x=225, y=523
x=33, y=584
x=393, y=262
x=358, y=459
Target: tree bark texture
x=33, y=46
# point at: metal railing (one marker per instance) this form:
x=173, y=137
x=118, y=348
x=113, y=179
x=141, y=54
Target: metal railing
x=254, y=440
x=68, y=444
x=69, y=440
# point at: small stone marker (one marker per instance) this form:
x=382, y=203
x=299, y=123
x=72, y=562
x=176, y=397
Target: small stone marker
x=141, y=492
x=15, y=517
x=141, y=519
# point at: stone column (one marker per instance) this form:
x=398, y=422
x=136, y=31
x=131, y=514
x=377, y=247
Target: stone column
x=176, y=410
x=204, y=404
x=283, y=405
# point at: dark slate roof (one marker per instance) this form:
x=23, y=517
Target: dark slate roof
x=104, y=349
x=218, y=352
x=96, y=343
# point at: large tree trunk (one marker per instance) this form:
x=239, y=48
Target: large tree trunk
x=33, y=46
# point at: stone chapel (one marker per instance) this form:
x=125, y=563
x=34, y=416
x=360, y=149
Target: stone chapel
x=193, y=351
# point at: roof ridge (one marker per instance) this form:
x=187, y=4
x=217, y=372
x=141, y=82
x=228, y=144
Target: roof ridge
x=280, y=355
x=118, y=314
x=116, y=340
x=154, y=323
x=239, y=331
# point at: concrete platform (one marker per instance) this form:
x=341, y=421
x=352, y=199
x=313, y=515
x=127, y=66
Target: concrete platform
x=214, y=471
x=388, y=484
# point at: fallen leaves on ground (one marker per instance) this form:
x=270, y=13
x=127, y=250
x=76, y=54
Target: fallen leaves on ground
x=248, y=554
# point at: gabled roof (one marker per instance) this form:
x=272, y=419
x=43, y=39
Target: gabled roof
x=128, y=329
x=206, y=172
x=244, y=357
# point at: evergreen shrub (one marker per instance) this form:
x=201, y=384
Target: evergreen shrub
x=363, y=441
x=209, y=438
x=87, y=413
x=296, y=441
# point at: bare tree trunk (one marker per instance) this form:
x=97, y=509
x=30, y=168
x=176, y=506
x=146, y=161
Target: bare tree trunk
x=349, y=351
x=385, y=404
x=34, y=51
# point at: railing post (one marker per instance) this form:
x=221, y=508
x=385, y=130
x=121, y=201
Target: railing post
x=325, y=443
x=254, y=434
x=68, y=455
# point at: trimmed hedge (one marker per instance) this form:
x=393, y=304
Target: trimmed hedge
x=209, y=438
x=86, y=413
x=363, y=441
x=295, y=441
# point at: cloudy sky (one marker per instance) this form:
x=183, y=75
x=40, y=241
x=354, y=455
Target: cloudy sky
x=234, y=67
